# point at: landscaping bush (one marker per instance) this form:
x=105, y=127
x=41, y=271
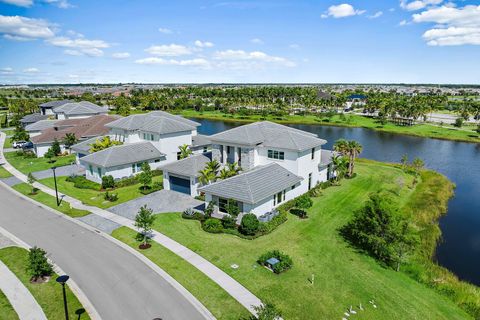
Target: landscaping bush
x=299, y=213
x=157, y=172
x=458, y=122
x=212, y=225
x=125, y=182
x=193, y=215
x=157, y=185
x=249, y=224
x=284, y=264
x=229, y=222
x=110, y=196
x=38, y=266
x=326, y=184
x=81, y=182
x=108, y=182
x=232, y=208
x=303, y=202
x=315, y=192
x=201, y=197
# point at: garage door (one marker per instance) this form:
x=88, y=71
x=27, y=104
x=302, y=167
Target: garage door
x=179, y=184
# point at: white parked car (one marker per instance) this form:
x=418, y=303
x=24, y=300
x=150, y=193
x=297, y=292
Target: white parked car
x=18, y=144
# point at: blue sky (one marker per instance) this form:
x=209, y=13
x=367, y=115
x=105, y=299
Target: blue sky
x=72, y=41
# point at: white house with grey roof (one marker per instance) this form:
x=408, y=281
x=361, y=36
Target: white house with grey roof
x=36, y=128
x=279, y=164
x=47, y=107
x=121, y=161
x=78, y=110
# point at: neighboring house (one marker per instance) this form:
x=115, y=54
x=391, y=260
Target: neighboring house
x=289, y=162
x=82, y=129
x=121, y=161
x=78, y=110
x=201, y=144
x=354, y=100
x=165, y=131
x=36, y=128
x=182, y=175
x=82, y=148
x=32, y=118
x=47, y=107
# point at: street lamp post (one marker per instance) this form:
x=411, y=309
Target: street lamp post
x=55, y=180
x=62, y=280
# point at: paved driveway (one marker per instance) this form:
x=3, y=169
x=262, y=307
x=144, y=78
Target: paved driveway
x=160, y=202
x=60, y=171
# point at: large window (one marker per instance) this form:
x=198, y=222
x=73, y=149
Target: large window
x=99, y=171
x=222, y=204
x=148, y=136
x=90, y=168
x=274, y=154
x=309, y=181
x=313, y=153
x=279, y=198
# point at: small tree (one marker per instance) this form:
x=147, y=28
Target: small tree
x=185, y=151
x=38, y=265
x=144, y=221
x=146, y=176
x=108, y=182
x=303, y=202
x=50, y=155
x=69, y=140
x=31, y=180
x=56, y=148
x=209, y=209
x=404, y=161
x=458, y=122
x=249, y=224
x=417, y=165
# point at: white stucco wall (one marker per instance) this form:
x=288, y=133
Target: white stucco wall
x=41, y=149
x=169, y=143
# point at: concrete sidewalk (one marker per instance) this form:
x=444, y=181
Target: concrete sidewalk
x=25, y=305
x=230, y=285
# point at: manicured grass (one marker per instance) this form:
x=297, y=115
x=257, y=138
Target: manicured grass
x=4, y=173
x=446, y=132
x=50, y=201
x=8, y=143
x=94, y=197
x=343, y=276
x=6, y=310
x=212, y=296
x=49, y=294
x=27, y=165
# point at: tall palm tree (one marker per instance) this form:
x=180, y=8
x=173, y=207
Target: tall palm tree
x=234, y=169
x=185, y=151
x=350, y=149
x=206, y=176
x=224, y=173
x=213, y=166
x=340, y=164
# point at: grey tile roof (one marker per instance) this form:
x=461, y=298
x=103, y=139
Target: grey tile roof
x=40, y=125
x=80, y=108
x=201, y=140
x=32, y=118
x=269, y=134
x=124, y=154
x=187, y=167
x=85, y=145
x=54, y=103
x=157, y=121
x=254, y=185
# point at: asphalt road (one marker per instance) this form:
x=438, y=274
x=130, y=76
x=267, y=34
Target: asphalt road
x=119, y=285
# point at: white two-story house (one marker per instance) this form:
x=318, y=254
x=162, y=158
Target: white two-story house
x=154, y=137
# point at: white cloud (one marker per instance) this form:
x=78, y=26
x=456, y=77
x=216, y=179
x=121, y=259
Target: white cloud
x=418, y=4
x=6, y=71
x=198, y=62
x=294, y=46
x=257, y=41
x=204, y=44
x=63, y=4
x=17, y=27
x=403, y=23
x=378, y=14
x=80, y=46
x=453, y=26
x=31, y=70
x=121, y=55
x=165, y=30
x=169, y=50
x=341, y=11
x=244, y=59
x=20, y=3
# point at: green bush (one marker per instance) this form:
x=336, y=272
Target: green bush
x=193, y=215
x=325, y=184
x=458, y=122
x=81, y=182
x=125, y=182
x=108, y=182
x=299, y=213
x=284, y=264
x=229, y=222
x=303, y=202
x=249, y=224
x=212, y=225
x=110, y=196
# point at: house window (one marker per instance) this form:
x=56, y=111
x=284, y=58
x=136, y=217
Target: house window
x=222, y=204
x=90, y=168
x=309, y=181
x=134, y=168
x=157, y=160
x=279, y=198
x=139, y=167
x=179, y=154
x=151, y=137
x=274, y=154
x=313, y=153
x=205, y=149
x=293, y=187
x=99, y=171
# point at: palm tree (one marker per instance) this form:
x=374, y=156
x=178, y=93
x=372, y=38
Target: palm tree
x=185, y=151
x=224, y=173
x=340, y=165
x=213, y=166
x=206, y=176
x=234, y=169
x=350, y=149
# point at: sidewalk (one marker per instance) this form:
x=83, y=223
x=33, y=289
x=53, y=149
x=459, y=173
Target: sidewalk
x=230, y=285
x=22, y=301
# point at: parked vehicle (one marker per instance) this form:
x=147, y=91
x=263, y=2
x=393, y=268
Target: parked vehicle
x=18, y=144
x=27, y=146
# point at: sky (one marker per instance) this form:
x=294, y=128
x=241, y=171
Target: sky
x=270, y=41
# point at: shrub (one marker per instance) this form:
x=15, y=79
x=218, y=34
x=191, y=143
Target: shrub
x=326, y=184
x=458, y=122
x=299, y=213
x=249, y=224
x=209, y=209
x=303, y=202
x=228, y=222
x=267, y=311
x=157, y=185
x=81, y=182
x=156, y=172
x=212, y=225
x=193, y=215
x=125, y=182
x=232, y=208
x=315, y=192
x=38, y=265
x=478, y=128
x=108, y=182
x=284, y=264
x=200, y=197
x=110, y=196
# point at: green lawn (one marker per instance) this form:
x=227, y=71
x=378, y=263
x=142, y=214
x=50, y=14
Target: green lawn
x=4, y=173
x=27, y=165
x=423, y=130
x=8, y=143
x=50, y=201
x=94, y=197
x=6, y=310
x=49, y=294
x=212, y=296
x=343, y=276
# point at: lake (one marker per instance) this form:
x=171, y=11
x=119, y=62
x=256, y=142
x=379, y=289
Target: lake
x=459, y=250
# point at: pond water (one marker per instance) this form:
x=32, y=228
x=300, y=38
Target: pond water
x=459, y=250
